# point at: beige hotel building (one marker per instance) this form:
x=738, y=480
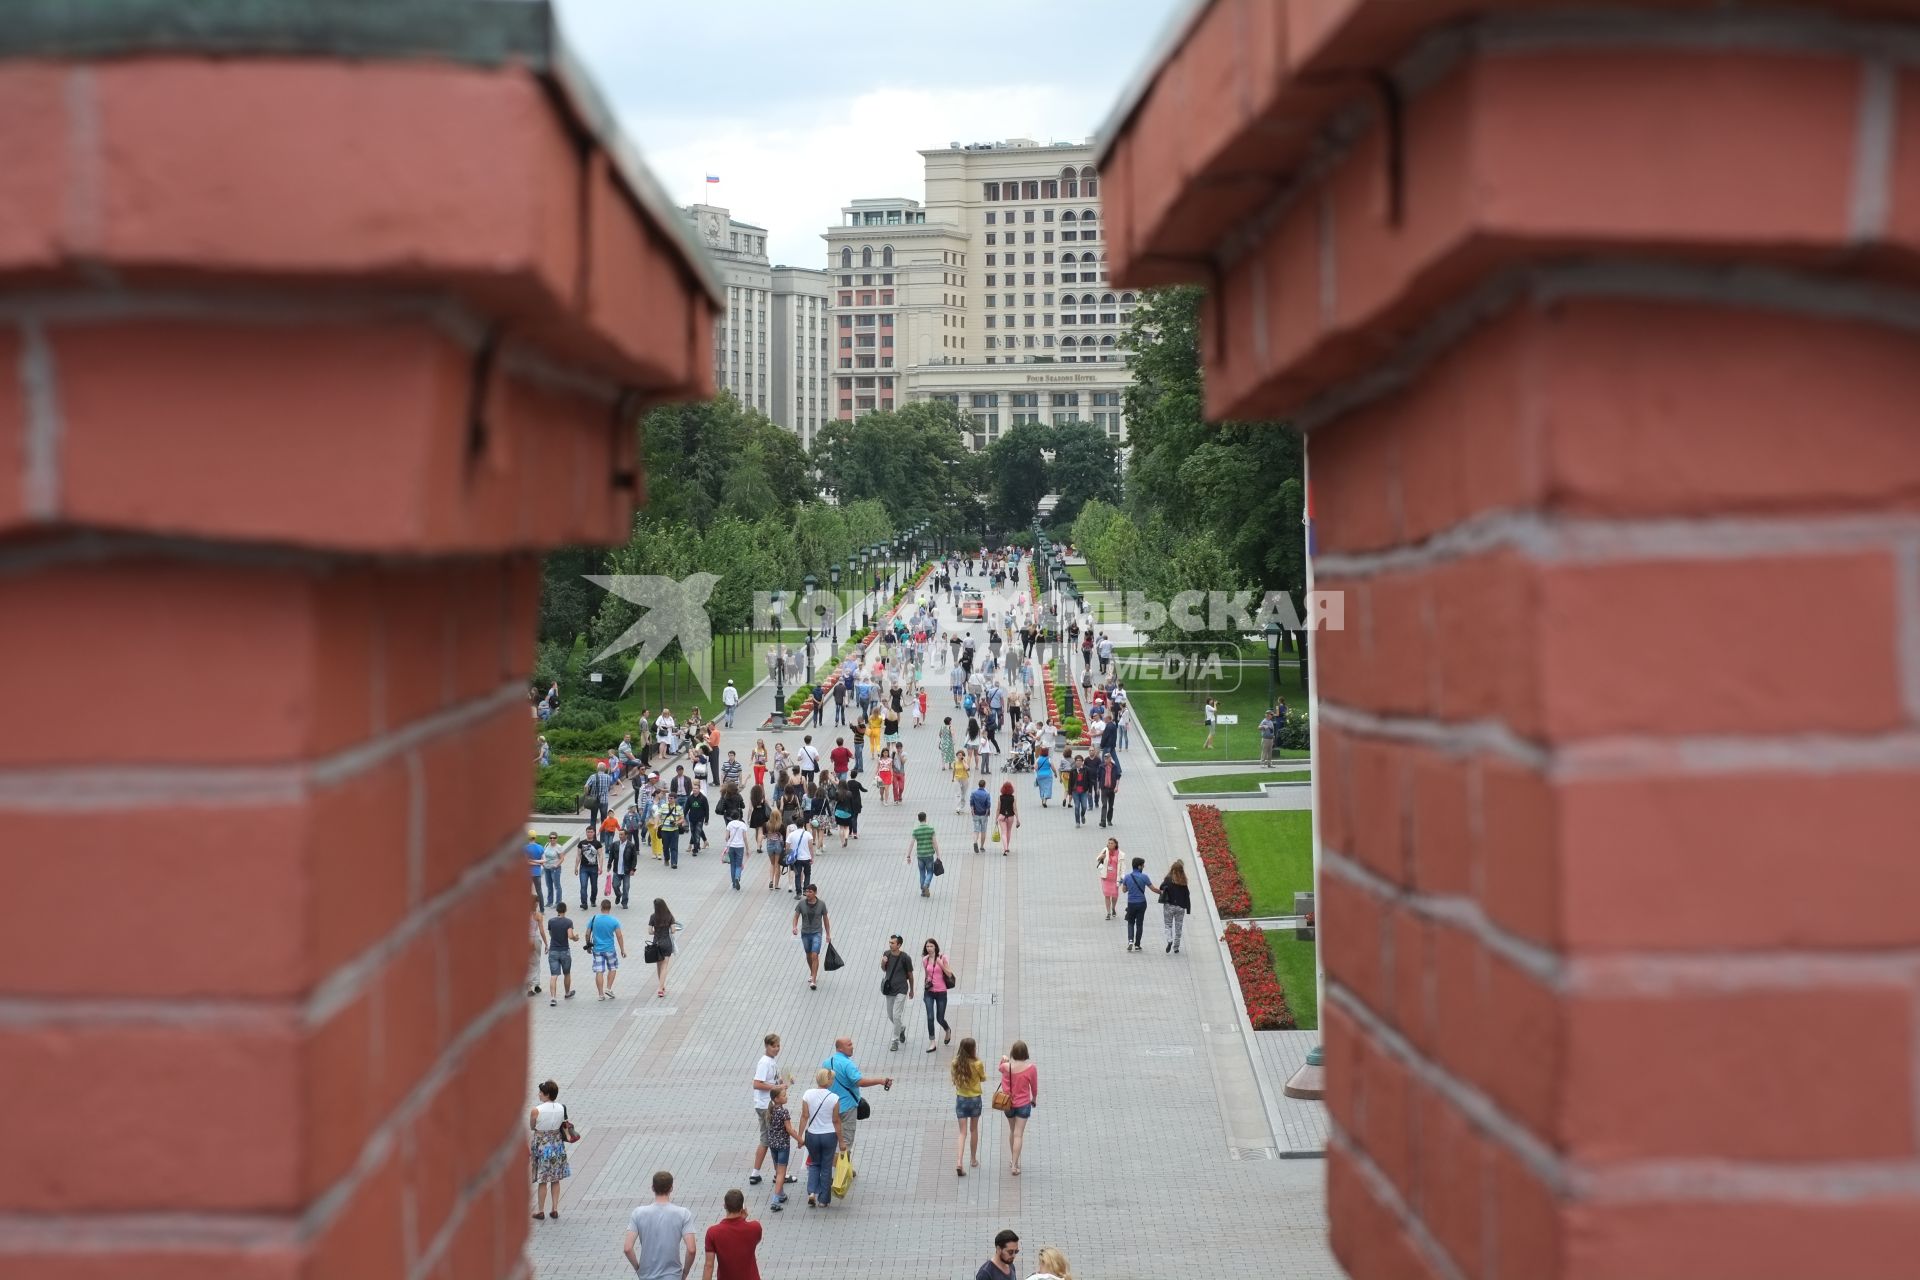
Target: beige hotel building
x=993, y=295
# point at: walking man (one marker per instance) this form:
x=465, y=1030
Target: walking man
x=1136, y=882
x=729, y=699
x=663, y=1232
x=815, y=931
x=559, y=953
x=980, y=805
x=604, y=936
x=766, y=1078
x=733, y=1241
x=897, y=987
x=1109, y=784
x=847, y=1083
x=809, y=761
x=599, y=787
x=924, y=847
x=840, y=701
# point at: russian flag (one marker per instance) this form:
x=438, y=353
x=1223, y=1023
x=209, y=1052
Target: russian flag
x=712, y=178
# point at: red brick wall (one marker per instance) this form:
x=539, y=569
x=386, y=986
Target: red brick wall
x=1613, y=450
x=269, y=572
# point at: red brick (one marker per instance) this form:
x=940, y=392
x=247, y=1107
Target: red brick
x=34, y=135
x=483, y=969
x=1530, y=1238
x=139, y=1093
x=177, y=869
x=1333, y=777
x=357, y=864
x=94, y=1260
x=1379, y=780
x=1354, y=482
x=413, y=1016
x=340, y=1102
x=1720, y=861
x=1486, y=632
x=1443, y=788
x=1400, y=644
x=490, y=1083
x=1525, y=1061
x=1412, y=1008
x=1582, y=144
x=1389, y=1101
x=524, y=584
x=476, y=616
x=1453, y=1182
x=1723, y=644
x=1655, y=409
x=1676, y=1075
x=365, y=1238
x=1350, y=922
x=634, y=294
x=1903, y=217
x=1367, y=1236
x=414, y=611
x=479, y=780
x=251, y=639
x=432, y=1166
x=1864, y=1238
x=1342, y=662
x=1460, y=1012
x=1520, y=853
x=352, y=406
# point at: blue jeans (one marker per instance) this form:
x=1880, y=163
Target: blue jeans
x=670, y=848
x=926, y=872
x=839, y=711
x=554, y=891
x=1079, y=807
x=735, y=854
x=821, y=1149
x=859, y=752
x=589, y=881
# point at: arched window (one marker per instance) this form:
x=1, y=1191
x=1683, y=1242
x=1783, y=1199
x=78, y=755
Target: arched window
x=1089, y=185
x=1127, y=298
x=846, y=259
x=1067, y=216
x=1068, y=342
x=886, y=256
x=1106, y=299
x=1088, y=215
x=1067, y=259
x=1107, y=341
x=866, y=256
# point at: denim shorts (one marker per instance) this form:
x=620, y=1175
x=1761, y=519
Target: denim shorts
x=559, y=962
x=966, y=1108
x=1021, y=1112
x=780, y=1154
x=811, y=943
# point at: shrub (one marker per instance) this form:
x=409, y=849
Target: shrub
x=581, y=714
x=1223, y=873
x=564, y=775
x=556, y=802
x=1259, y=984
x=567, y=742
x=549, y=664
x=1072, y=727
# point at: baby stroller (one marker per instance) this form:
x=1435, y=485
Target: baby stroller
x=1021, y=761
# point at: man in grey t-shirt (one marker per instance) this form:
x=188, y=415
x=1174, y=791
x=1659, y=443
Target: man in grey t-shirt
x=814, y=929
x=661, y=1229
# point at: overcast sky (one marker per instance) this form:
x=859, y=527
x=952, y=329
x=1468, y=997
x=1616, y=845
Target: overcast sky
x=799, y=106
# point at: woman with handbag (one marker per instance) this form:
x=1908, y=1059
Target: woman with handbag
x=1019, y=1091
x=552, y=1131
x=1008, y=817
x=1108, y=865
x=1175, y=901
x=937, y=980
x=820, y=1127
x=660, y=950
x=968, y=1074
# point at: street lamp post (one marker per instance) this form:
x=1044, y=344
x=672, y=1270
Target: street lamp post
x=779, y=660
x=810, y=583
x=833, y=573
x=1273, y=660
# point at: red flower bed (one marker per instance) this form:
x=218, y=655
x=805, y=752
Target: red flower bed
x=1223, y=873
x=1259, y=985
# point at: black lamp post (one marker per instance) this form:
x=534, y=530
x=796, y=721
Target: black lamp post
x=810, y=583
x=779, y=658
x=833, y=573
x=1273, y=660
x=874, y=551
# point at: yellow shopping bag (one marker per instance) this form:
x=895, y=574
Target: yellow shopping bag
x=842, y=1174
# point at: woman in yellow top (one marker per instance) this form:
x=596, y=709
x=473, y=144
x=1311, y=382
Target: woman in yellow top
x=874, y=730
x=967, y=1072
x=961, y=775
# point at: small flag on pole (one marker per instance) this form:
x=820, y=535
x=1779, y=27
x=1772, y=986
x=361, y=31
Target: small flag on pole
x=712, y=178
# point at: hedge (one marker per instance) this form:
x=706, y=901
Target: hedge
x=596, y=740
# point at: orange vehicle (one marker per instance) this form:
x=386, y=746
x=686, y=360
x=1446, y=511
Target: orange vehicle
x=973, y=608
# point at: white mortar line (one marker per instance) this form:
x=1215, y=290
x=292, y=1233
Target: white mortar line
x=1384, y=1191
x=1871, y=196
x=39, y=385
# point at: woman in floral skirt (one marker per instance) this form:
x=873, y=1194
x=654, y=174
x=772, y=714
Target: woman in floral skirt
x=548, y=1147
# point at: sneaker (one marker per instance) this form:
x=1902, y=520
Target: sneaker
x=753, y=1180
x=553, y=1004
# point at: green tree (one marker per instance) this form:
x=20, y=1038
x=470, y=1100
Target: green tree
x=1086, y=468
x=1017, y=474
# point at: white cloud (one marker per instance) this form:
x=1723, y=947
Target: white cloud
x=793, y=175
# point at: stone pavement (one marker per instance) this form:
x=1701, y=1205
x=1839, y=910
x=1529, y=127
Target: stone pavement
x=1150, y=1152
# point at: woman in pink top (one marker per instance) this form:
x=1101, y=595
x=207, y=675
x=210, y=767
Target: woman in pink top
x=1108, y=864
x=1020, y=1079
x=937, y=977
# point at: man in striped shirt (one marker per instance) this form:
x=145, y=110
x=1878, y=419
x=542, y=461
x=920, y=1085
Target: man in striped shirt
x=730, y=770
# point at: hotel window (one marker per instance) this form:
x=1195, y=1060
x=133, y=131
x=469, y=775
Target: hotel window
x=1029, y=217
x=887, y=279
x=1029, y=299
x=1049, y=217
x=1026, y=237
x=1050, y=190
x=846, y=260
x=992, y=192
x=991, y=240
x=1046, y=277
x=846, y=299
x=990, y=320
x=1030, y=190
x=991, y=281
x=991, y=215
x=992, y=342
x=1028, y=277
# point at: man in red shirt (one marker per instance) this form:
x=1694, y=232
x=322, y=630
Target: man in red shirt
x=841, y=757
x=732, y=1243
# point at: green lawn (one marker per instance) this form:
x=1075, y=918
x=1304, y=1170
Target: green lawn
x=1083, y=577
x=1171, y=717
x=1254, y=651
x=1293, y=965
x=1274, y=849
x=1248, y=782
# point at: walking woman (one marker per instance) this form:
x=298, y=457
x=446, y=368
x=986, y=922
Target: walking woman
x=662, y=925
x=852, y=795
x=820, y=1127
x=1007, y=817
x=875, y=727
x=937, y=978
x=883, y=773
x=960, y=779
x=967, y=1073
x=1020, y=1081
x=1043, y=776
x=759, y=759
x=946, y=745
x=548, y=1147
x=1175, y=902
x=1109, y=863
x=759, y=821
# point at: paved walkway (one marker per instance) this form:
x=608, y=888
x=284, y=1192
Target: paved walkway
x=1150, y=1153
